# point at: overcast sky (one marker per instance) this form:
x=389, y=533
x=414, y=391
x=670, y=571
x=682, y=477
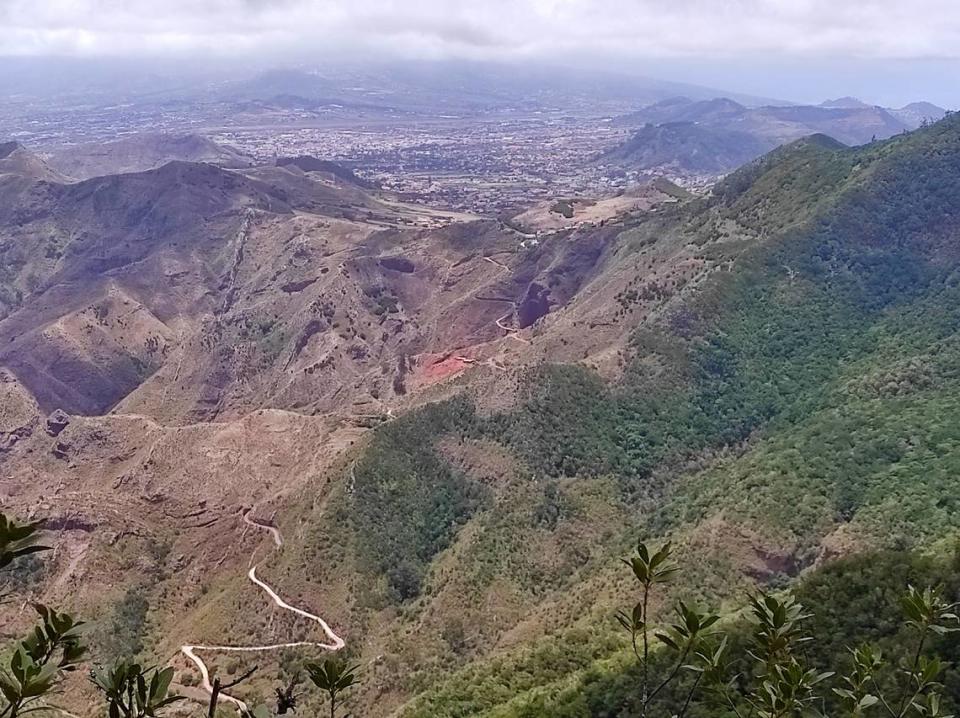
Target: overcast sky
x=757, y=45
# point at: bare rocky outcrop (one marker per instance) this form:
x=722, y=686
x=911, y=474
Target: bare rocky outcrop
x=57, y=422
x=535, y=304
x=398, y=264
x=19, y=413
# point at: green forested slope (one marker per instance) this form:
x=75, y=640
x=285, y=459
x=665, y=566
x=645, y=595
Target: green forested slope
x=852, y=601
x=803, y=402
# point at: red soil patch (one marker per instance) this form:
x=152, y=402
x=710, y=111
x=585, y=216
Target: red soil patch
x=437, y=367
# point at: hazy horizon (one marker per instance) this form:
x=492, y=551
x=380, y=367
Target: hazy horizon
x=878, y=50
x=889, y=83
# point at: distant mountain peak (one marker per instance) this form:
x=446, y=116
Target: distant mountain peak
x=847, y=103
x=918, y=113
x=928, y=109
x=724, y=102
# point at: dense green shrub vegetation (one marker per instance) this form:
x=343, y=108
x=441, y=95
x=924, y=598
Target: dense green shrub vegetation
x=822, y=366
x=809, y=390
x=852, y=601
x=480, y=689
x=124, y=631
x=765, y=341
x=408, y=501
x=794, y=351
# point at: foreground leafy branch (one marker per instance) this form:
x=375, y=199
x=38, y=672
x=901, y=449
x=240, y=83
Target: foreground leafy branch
x=650, y=570
x=333, y=676
x=928, y=615
x=18, y=540
x=36, y=663
x=133, y=691
x=781, y=683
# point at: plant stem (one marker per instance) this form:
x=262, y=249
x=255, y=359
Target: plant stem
x=733, y=706
x=883, y=700
x=904, y=702
x=693, y=689
x=636, y=649
x=673, y=674
x=920, y=686
x=646, y=653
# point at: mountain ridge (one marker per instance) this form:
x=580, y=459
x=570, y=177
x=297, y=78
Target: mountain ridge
x=141, y=152
x=721, y=124
x=765, y=374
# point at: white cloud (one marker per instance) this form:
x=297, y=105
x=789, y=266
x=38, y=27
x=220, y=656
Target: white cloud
x=485, y=28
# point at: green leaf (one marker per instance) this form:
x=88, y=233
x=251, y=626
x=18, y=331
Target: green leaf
x=664, y=638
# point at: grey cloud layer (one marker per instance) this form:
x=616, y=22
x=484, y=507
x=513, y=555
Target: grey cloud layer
x=485, y=28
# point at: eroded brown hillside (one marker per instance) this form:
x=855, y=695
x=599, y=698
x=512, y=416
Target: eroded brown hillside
x=183, y=344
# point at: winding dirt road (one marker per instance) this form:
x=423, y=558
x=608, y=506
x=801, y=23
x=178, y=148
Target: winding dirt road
x=511, y=332
x=335, y=644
